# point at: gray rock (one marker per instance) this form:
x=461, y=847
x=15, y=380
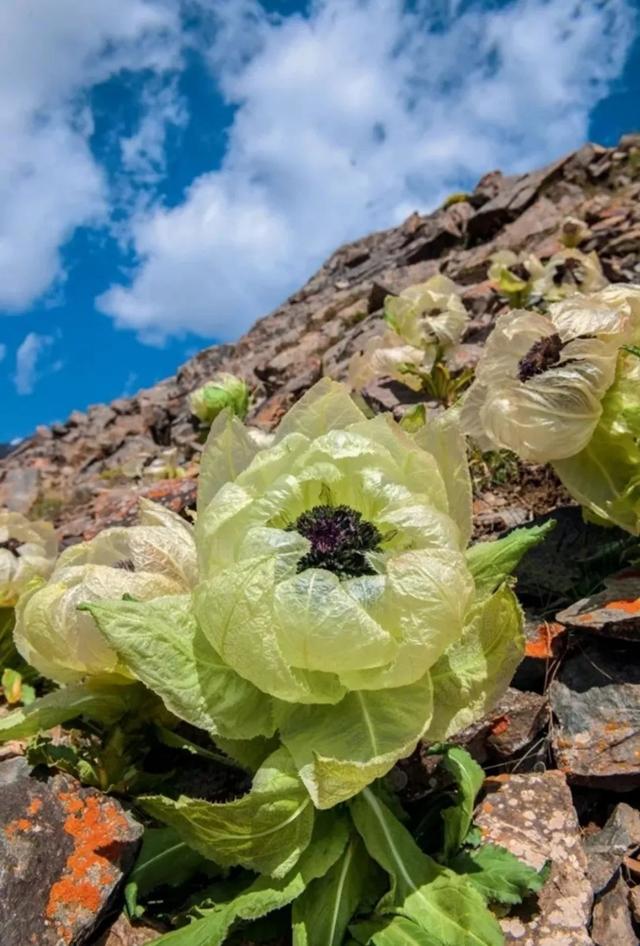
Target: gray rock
x=612, y=924
x=19, y=489
x=597, y=737
x=606, y=849
x=533, y=817
x=614, y=612
x=64, y=850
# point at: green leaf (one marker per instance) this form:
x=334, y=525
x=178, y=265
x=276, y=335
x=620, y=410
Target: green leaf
x=468, y=777
x=440, y=902
x=443, y=439
x=229, y=450
x=175, y=741
x=414, y=419
x=265, y=830
x=395, y=931
x=104, y=704
x=340, y=749
x=473, y=673
x=266, y=894
x=491, y=563
x=323, y=912
x=164, y=860
x=498, y=874
x=160, y=641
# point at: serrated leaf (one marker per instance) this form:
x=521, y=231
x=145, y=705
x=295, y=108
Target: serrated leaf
x=439, y=901
x=265, y=894
x=161, y=643
x=491, y=563
x=265, y=830
x=323, y=912
x=498, y=874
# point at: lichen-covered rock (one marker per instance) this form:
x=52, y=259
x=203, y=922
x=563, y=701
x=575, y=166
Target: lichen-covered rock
x=596, y=741
x=533, y=817
x=64, y=850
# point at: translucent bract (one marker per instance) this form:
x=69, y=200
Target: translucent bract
x=145, y=561
x=565, y=388
x=426, y=323
x=27, y=550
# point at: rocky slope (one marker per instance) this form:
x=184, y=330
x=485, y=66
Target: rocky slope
x=86, y=472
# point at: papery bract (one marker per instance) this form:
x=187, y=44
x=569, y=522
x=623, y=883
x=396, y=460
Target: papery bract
x=145, y=561
x=426, y=323
x=27, y=550
x=565, y=388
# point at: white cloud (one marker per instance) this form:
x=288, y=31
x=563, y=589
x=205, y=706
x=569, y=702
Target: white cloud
x=27, y=357
x=348, y=120
x=52, y=52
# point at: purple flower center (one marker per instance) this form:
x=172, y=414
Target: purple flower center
x=542, y=355
x=12, y=545
x=339, y=538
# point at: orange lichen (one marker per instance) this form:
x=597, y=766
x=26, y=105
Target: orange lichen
x=95, y=826
x=501, y=725
x=34, y=806
x=14, y=827
x=631, y=606
x=544, y=645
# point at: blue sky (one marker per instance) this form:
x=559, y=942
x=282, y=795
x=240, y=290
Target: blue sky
x=172, y=169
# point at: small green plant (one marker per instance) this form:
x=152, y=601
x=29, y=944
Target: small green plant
x=425, y=325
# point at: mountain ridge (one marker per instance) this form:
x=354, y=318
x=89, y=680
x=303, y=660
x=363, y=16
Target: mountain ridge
x=88, y=470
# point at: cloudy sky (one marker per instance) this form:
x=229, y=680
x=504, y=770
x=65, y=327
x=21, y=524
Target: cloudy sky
x=171, y=169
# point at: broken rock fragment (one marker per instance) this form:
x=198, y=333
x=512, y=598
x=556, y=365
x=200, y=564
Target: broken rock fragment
x=532, y=815
x=596, y=741
x=64, y=850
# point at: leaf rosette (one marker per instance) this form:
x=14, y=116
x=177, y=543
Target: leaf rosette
x=336, y=606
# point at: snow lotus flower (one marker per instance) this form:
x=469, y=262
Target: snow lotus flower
x=154, y=558
x=27, y=550
x=337, y=606
x=562, y=387
x=526, y=281
x=223, y=391
x=426, y=323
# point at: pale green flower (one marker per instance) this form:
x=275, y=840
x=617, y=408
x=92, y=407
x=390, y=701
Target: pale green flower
x=222, y=391
x=27, y=550
x=426, y=321
x=525, y=281
x=563, y=387
x=154, y=558
x=336, y=604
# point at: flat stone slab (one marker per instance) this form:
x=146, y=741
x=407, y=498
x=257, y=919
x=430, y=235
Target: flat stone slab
x=532, y=815
x=64, y=850
x=614, y=612
x=596, y=741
